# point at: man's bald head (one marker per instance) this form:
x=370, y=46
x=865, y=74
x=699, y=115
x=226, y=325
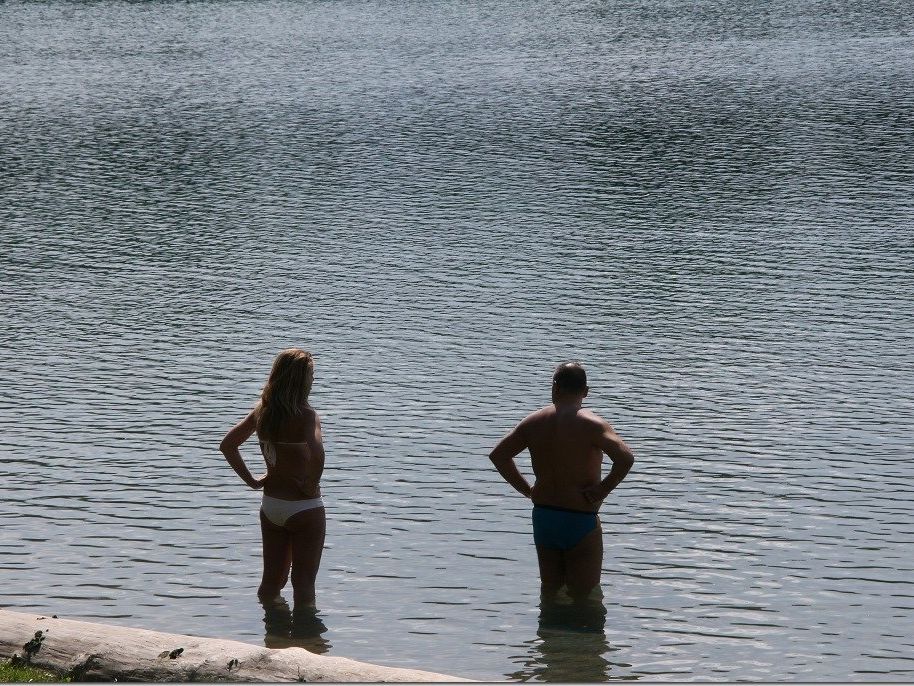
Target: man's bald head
x=569, y=379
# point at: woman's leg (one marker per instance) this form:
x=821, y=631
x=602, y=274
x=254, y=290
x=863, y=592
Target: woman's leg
x=277, y=558
x=306, y=532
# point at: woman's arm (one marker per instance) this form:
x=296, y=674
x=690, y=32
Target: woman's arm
x=316, y=446
x=237, y=435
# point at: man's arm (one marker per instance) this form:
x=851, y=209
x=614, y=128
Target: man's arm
x=503, y=455
x=622, y=458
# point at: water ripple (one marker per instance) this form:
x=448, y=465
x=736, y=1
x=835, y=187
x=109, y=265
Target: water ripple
x=709, y=204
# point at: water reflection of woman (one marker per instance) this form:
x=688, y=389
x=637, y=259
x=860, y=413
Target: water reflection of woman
x=292, y=520
x=301, y=630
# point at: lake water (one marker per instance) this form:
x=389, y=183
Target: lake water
x=709, y=203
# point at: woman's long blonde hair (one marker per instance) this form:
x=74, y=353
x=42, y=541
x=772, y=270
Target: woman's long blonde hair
x=285, y=394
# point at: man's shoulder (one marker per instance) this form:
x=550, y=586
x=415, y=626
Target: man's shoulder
x=534, y=419
x=592, y=419
x=540, y=414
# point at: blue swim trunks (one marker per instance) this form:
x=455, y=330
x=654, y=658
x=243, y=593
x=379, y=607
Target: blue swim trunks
x=561, y=528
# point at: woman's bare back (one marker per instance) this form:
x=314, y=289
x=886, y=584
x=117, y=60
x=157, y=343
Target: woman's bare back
x=295, y=458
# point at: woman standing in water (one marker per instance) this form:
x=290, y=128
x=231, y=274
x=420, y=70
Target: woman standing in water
x=292, y=517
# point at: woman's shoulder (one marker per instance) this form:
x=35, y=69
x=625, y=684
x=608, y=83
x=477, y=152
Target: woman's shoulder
x=308, y=419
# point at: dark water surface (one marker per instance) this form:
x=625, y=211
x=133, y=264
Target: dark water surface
x=709, y=203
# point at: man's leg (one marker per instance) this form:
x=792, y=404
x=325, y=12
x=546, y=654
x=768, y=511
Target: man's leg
x=552, y=571
x=583, y=565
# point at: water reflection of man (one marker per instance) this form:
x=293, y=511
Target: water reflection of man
x=302, y=629
x=566, y=444
x=571, y=644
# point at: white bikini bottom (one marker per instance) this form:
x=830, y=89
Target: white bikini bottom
x=278, y=511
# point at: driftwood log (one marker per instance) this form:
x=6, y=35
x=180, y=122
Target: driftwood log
x=87, y=651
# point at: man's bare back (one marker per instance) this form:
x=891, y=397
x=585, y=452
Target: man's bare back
x=566, y=444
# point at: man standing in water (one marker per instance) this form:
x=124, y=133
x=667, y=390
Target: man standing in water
x=566, y=444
